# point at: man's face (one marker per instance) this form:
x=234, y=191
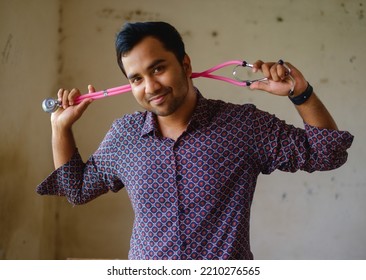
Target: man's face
x=159, y=82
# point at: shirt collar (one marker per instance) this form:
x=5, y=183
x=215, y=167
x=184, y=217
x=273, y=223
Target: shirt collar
x=150, y=125
x=200, y=117
x=201, y=114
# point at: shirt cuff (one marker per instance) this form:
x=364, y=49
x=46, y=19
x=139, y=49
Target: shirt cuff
x=328, y=139
x=59, y=180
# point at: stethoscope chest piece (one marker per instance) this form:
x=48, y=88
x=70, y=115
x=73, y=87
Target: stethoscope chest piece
x=50, y=105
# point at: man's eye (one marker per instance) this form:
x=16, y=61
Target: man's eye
x=135, y=80
x=158, y=69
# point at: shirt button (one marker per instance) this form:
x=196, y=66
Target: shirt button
x=179, y=177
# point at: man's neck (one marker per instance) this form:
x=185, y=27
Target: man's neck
x=174, y=125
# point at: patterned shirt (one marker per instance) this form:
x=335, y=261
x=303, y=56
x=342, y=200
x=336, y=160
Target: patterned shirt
x=192, y=197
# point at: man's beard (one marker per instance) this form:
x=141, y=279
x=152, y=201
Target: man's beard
x=176, y=101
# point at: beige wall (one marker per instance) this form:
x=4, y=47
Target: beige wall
x=28, y=73
x=49, y=44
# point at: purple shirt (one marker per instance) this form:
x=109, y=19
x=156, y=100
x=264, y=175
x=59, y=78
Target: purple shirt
x=192, y=197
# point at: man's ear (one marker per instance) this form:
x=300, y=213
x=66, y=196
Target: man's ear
x=187, y=65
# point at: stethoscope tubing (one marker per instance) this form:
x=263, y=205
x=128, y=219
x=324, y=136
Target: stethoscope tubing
x=50, y=105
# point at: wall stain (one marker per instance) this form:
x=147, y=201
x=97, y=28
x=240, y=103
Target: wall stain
x=133, y=15
x=360, y=13
x=344, y=8
x=284, y=196
x=61, y=37
x=324, y=80
x=310, y=192
x=214, y=35
x=187, y=33
x=7, y=49
x=138, y=14
x=249, y=21
x=106, y=12
x=279, y=19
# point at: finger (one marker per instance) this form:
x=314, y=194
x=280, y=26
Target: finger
x=290, y=69
x=91, y=89
x=59, y=94
x=64, y=98
x=274, y=72
x=73, y=95
x=282, y=71
x=266, y=70
x=257, y=66
x=300, y=81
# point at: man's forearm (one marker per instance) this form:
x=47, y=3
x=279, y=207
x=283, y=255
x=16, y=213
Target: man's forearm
x=63, y=146
x=314, y=113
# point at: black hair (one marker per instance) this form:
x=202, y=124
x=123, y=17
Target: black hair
x=133, y=33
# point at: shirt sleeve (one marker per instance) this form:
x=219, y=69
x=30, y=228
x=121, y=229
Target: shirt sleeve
x=287, y=148
x=82, y=182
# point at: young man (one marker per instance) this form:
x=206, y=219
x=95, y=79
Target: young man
x=189, y=164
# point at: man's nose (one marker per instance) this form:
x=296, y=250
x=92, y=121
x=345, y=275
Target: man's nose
x=152, y=85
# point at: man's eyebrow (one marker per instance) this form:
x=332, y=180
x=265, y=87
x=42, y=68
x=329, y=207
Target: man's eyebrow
x=151, y=66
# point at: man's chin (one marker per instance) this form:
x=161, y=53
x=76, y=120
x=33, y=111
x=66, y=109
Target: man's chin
x=161, y=113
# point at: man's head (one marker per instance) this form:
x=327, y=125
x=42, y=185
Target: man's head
x=133, y=33
x=152, y=57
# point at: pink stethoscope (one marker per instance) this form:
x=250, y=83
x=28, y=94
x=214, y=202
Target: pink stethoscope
x=50, y=105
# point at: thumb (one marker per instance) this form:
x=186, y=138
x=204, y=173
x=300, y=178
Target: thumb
x=259, y=86
x=277, y=88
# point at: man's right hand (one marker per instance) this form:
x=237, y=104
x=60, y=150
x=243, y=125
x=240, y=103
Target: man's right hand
x=63, y=143
x=69, y=113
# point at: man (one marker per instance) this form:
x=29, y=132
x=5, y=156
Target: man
x=189, y=164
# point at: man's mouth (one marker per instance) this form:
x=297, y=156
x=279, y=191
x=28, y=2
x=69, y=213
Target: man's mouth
x=157, y=100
